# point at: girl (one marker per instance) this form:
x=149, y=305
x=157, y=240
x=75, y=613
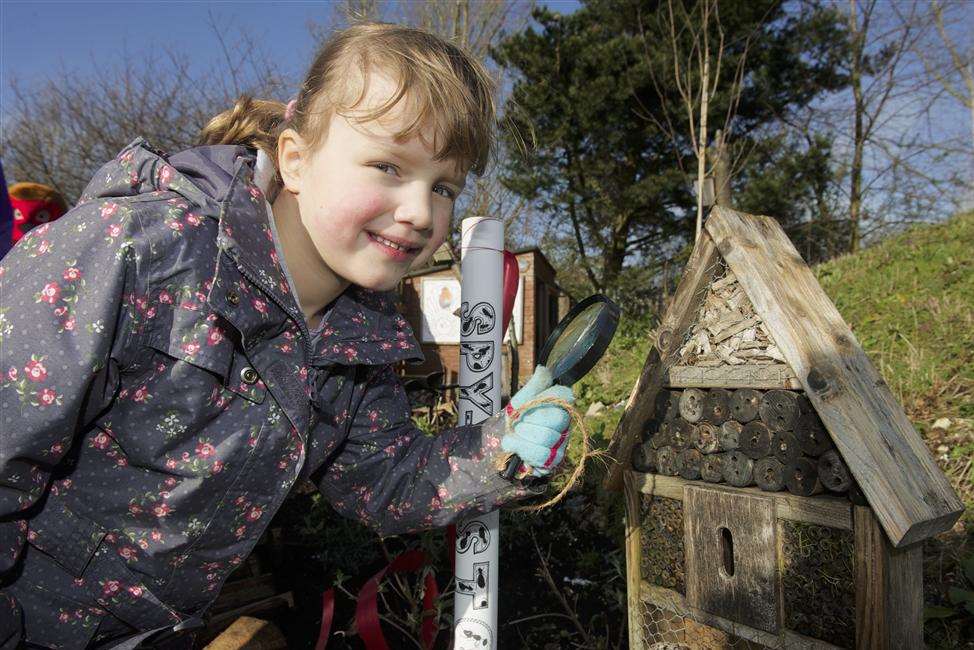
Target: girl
x=177, y=352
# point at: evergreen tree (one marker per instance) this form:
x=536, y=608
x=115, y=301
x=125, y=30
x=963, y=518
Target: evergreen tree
x=597, y=163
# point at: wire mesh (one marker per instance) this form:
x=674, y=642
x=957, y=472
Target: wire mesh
x=667, y=630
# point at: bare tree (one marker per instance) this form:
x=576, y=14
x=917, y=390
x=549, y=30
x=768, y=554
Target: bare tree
x=60, y=132
x=950, y=62
x=696, y=75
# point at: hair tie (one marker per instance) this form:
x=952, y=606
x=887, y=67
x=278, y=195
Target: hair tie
x=289, y=110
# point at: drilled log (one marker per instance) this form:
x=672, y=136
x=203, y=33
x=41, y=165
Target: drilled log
x=666, y=461
x=671, y=410
x=769, y=474
x=691, y=404
x=744, y=404
x=755, y=440
x=801, y=477
x=812, y=437
x=644, y=458
x=785, y=447
x=673, y=404
x=688, y=464
x=661, y=438
x=730, y=435
x=705, y=438
x=711, y=468
x=716, y=406
x=738, y=468
x=832, y=471
x=779, y=410
x=681, y=433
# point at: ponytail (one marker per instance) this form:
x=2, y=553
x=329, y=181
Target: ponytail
x=254, y=123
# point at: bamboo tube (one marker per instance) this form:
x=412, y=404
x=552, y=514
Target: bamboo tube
x=691, y=404
x=705, y=438
x=711, y=468
x=779, y=410
x=755, y=440
x=730, y=435
x=769, y=474
x=832, y=471
x=738, y=468
x=688, y=464
x=801, y=477
x=744, y=404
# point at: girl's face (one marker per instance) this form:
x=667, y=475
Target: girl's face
x=372, y=206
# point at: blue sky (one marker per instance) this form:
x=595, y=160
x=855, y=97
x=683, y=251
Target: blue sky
x=37, y=37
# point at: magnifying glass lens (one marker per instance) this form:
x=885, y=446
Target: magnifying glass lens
x=575, y=341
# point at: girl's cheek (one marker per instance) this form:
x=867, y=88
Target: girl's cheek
x=359, y=205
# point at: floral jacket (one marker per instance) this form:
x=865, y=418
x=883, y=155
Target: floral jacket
x=161, y=394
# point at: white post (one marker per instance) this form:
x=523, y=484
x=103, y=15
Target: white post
x=481, y=289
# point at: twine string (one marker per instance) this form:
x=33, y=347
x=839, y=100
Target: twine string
x=578, y=470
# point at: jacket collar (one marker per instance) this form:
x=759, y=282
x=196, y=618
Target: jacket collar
x=358, y=327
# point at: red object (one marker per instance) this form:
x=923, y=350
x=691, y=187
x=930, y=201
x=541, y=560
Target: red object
x=367, y=612
x=511, y=276
x=33, y=205
x=327, y=615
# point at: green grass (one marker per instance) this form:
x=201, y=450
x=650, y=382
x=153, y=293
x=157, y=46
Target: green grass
x=910, y=302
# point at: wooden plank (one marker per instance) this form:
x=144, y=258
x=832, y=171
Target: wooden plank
x=673, y=601
x=748, y=375
x=822, y=510
x=731, y=563
x=910, y=495
x=889, y=588
x=634, y=562
x=678, y=318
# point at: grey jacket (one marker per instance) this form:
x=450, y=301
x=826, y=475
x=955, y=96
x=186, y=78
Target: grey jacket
x=161, y=394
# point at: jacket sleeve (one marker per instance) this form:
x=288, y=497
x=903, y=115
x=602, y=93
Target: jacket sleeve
x=395, y=478
x=65, y=294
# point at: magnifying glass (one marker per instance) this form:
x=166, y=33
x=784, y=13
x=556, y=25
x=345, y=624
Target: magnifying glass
x=575, y=346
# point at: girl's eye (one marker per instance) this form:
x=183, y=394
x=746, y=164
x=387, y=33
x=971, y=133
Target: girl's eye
x=386, y=168
x=443, y=190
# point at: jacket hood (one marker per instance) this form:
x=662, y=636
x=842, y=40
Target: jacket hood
x=360, y=326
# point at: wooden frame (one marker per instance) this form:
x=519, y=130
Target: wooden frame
x=889, y=580
x=776, y=375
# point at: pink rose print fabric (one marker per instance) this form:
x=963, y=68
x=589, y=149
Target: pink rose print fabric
x=160, y=394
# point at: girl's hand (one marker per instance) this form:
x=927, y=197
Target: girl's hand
x=538, y=434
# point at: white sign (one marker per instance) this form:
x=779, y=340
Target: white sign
x=440, y=302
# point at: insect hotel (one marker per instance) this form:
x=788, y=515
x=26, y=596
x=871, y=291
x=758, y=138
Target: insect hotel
x=776, y=493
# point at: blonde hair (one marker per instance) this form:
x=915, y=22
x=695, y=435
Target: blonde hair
x=444, y=87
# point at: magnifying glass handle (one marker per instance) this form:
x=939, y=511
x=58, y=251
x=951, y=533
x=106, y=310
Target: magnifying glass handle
x=512, y=466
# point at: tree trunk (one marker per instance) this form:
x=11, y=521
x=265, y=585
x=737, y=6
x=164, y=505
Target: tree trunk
x=855, y=171
x=722, y=189
x=702, y=143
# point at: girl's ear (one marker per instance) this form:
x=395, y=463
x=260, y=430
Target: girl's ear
x=291, y=150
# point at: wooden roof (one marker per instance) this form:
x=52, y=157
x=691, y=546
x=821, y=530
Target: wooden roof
x=911, y=497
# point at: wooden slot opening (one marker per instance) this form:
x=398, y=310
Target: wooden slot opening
x=727, y=551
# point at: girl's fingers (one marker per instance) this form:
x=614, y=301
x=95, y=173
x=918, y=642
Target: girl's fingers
x=539, y=434
x=533, y=454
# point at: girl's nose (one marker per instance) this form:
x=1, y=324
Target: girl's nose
x=416, y=208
